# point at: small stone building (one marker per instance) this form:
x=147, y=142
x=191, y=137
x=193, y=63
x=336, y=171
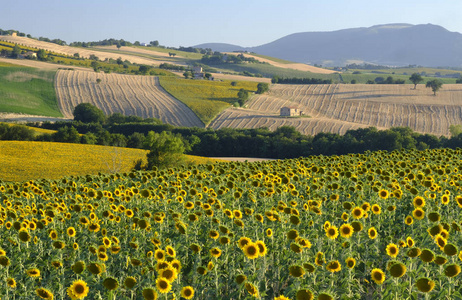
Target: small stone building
x=290, y=111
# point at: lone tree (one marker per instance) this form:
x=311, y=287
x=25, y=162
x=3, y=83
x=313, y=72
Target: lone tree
x=416, y=79
x=166, y=149
x=262, y=88
x=88, y=113
x=435, y=85
x=243, y=95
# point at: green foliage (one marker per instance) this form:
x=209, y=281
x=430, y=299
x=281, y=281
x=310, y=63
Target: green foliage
x=455, y=130
x=165, y=148
x=435, y=85
x=88, y=113
x=242, y=95
x=262, y=88
x=18, y=133
x=27, y=90
x=416, y=79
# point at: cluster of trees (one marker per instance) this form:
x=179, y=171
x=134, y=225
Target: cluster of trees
x=218, y=58
x=167, y=66
x=388, y=80
x=366, y=67
x=54, y=41
x=10, y=31
x=295, y=80
x=106, y=42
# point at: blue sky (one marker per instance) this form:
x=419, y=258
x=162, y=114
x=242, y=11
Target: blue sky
x=188, y=22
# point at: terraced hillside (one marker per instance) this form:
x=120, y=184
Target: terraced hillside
x=338, y=108
x=127, y=94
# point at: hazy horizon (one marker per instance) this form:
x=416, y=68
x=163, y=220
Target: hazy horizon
x=243, y=23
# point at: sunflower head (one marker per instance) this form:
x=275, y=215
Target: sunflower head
x=427, y=255
x=334, y=266
x=350, y=262
x=425, y=285
x=452, y=270
x=450, y=249
x=296, y=271
x=378, y=276
x=78, y=290
x=397, y=270
x=305, y=294
x=44, y=293
x=149, y=294
x=241, y=278
x=187, y=292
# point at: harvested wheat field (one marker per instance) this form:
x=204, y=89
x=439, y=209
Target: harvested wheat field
x=127, y=94
x=337, y=108
x=294, y=66
x=83, y=52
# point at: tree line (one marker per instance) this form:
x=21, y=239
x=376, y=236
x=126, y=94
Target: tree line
x=295, y=80
x=91, y=126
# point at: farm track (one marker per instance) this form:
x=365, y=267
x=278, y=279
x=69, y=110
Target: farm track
x=340, y=107
x=127, y=94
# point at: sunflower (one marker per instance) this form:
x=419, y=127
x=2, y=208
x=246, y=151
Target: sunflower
x=262, y=250
x=425, y=285
x=163, y=285
x=159, y=255
x=383, y=194
x=397, y=270
x=332, y=232
x=240, y=278
x=350, y=262
x=71, y=231
x=78, y=290
x=53, y=234
x=418, y=201
x=170, y=251
x=376, y=209
x=450, y=249
x=459, y=201
x=372, y=232
x=214, y=234
x=33, y=272
x=187, y=292
x=408, y=220
x=418, y=213
x=252, y=289
x=149, y=294
x=44, y=293
x=410, y=242
x=445, y=199
x=378, y=276
x=392, y=250
x=427, y=255
x=243, y=241
x=440, y=241
x=296, y=271
x=346, y=230
x=168, y=273
x=215, y=252
x=304, y=295
x=251, y=250
x=334, y=266
x=11, y=282
x=357, y=213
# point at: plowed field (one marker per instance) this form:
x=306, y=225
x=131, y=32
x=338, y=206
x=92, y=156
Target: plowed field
x=338, y=108
x=127, y=94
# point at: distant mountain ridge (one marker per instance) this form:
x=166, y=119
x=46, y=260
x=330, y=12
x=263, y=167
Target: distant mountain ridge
x=390, y=44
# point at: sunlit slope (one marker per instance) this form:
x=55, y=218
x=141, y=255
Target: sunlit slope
x=338, y=108
x=127, y=94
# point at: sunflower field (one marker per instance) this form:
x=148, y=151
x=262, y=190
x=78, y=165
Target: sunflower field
x=379, y=225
